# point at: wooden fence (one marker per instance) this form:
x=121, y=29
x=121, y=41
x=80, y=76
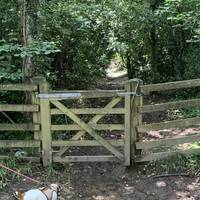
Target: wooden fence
x=181, y=123
x=33, y=126
x=128, y=103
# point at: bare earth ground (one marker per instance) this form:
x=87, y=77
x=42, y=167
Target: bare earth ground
x=107, y=181
x=112, y=181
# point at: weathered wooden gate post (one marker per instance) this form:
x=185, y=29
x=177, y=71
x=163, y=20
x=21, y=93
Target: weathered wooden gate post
x=136, y=116
x=132, y=118
x=127, y=134
x=46, y=136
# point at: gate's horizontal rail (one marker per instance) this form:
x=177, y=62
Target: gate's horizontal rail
x=90, y=93
x=183, y=123
x=19, y=108
x=18, y=87
x=98, y=127
x=33, y=159
x=90, y=111
x=167, y=142
x=19, y=143
x=171, y=105
x=81, y=94
x=85, y=91
x=19, y=127
x=69, y=143
x=161, y=155
x=146, y=89
x=68, y=159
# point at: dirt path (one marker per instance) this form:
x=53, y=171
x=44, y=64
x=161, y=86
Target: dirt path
x=107, y=181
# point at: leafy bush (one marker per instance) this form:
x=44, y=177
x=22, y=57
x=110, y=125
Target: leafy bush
x=82, y=31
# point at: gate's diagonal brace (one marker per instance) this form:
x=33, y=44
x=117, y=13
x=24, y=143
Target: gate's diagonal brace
x=94, y=120
x=87, y=128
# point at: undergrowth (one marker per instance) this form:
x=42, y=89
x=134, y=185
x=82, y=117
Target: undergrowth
x=13, y=163
x=177, y=164
x=193, y=111
x=53, y=168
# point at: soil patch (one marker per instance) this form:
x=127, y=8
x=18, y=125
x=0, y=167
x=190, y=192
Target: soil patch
x=108, y=181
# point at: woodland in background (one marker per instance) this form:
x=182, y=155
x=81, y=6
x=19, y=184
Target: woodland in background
x=72, y=42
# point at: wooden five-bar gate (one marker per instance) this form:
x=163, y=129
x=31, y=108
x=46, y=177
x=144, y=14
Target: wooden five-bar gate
x=88, y=127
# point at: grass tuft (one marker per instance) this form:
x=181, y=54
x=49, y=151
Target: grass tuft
x=177, y=164
x=13, y=163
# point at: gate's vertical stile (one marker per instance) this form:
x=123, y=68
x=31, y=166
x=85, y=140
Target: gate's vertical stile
x=127, y=133
x=136, y=118
x=45, y=125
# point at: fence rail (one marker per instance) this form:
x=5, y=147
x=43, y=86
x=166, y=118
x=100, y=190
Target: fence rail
x=162, y=155
x=19, y=143
x=18, y=108
x=167, y=142
x=170, y=105
x=182, y=123
x=146, y=89
x=18, y=87
x=19, y=127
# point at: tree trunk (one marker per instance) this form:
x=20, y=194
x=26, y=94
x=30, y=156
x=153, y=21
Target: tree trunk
x=26, y=64
x=153, y=44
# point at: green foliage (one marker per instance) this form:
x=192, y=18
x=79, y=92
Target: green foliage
x=13, y=163
x=82, y=31
x=178, y=39
x=192, y=60
x=175, y=164
x=131, y=39
x=184, y=14
x=53, y=169
x=160, y=40
x=157, y=40
x=11, y=53
x=192, y=112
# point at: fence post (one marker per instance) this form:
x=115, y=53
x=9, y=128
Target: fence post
x=136, y=116
x=127, y=134
x=132, y=119
x=45, y=117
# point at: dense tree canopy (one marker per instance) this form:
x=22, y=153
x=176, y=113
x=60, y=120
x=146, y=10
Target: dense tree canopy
x=73, y=42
